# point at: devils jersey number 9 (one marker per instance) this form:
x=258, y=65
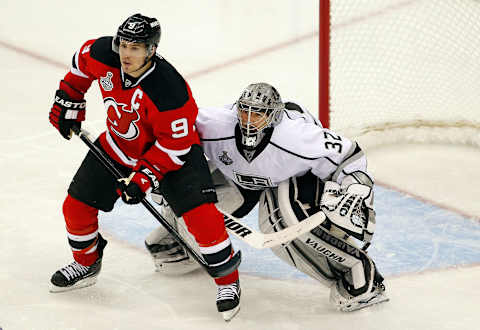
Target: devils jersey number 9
x=179, y=128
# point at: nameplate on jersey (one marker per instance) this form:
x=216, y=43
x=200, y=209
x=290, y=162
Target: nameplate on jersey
x=253, y=181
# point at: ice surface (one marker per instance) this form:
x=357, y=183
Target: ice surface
x=428, y=250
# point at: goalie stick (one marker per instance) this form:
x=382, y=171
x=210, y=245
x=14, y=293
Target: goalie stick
x=215, y=271
x=261, y=241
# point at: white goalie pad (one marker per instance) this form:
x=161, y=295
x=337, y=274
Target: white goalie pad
x=169, y=257
x=321, y=253
x=293, y=253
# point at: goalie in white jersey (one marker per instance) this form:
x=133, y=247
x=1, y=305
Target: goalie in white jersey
x=263, y=150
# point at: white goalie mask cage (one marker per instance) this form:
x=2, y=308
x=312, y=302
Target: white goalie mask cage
x=258, y=108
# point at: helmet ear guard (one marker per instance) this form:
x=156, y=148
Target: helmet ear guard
x=138, y=29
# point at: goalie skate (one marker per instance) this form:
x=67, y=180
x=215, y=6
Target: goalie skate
x=76, y=276
x=228, y=300
x=345, y=302
x=170, y=258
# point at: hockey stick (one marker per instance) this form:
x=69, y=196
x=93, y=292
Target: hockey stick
x=261, y=241
x=216, y=271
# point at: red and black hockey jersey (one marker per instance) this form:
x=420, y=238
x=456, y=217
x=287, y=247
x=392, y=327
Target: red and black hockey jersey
x=150, y=119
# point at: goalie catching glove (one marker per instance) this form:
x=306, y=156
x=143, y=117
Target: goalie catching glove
x=68, y=110
x=350, y=208
x=133, y=189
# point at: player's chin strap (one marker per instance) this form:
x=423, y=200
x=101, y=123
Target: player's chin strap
x=214, y=271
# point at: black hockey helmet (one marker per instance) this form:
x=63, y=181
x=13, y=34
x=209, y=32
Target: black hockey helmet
x=139, y=29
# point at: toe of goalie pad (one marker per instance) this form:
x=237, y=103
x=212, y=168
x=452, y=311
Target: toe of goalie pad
x=170, y=258
x=345, y=302
x=179, y=267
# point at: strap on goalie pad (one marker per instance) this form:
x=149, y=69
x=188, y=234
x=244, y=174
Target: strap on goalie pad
x=350, y=209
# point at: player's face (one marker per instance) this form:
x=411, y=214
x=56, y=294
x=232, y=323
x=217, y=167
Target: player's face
x=257, y=120
x=132, y=57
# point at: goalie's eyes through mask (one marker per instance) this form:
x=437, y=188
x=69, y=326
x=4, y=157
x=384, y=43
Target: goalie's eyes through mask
x=252, y=119
x=246, y=107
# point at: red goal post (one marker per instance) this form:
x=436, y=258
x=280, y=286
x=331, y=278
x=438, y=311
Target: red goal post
x=407, y=69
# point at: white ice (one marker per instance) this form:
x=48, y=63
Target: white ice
x=220, y=46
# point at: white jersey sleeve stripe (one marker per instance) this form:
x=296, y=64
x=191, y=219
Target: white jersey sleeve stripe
x=75, y=70
x=173, y=154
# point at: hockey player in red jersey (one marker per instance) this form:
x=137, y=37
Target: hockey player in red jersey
x=150, y=137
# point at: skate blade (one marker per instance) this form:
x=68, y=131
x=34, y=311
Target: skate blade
x=355, y=307
x=89, y=281
x=228, y=315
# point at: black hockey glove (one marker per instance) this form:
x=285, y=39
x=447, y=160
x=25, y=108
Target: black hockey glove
x=133, y=189
x=66, y=113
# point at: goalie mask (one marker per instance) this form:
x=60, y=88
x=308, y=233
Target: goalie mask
x=139, y=29
x=258, y=108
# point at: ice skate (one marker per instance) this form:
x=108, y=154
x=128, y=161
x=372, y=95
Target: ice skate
x=76, y=276
x=228, y=300
x=345, y=302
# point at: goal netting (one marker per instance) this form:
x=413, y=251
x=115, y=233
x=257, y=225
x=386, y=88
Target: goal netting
x=404, y=70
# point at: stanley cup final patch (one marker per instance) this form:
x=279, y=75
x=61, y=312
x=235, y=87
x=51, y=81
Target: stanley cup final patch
x=224, y=158
x=106, y=82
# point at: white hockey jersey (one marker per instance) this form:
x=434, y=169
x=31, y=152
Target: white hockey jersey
x=297, y=145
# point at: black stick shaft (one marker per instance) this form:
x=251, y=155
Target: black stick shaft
x=213, y=271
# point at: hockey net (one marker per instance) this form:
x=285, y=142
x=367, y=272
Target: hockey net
x=401, y=70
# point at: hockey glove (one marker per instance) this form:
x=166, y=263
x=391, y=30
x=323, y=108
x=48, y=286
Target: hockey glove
x=350, y=208
x=66, y=113
x=133, y=189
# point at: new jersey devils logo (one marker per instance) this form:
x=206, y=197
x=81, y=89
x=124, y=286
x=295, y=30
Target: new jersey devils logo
x=121, y=118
